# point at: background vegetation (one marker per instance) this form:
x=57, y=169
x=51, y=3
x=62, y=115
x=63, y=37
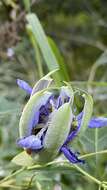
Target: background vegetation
x=79, y=29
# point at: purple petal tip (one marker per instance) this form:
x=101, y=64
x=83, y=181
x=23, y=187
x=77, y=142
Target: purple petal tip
x=24, y=85
x=30, y=142
x=72, y=157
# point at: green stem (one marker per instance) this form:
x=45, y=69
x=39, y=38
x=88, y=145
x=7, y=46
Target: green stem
x=90, y=176
x=93, y=154
x=92, y=75
x=13, y=174
x=64, y=163
x=96, y=143
x=77, y=168
x=38, y=186
x=11, y=186
x=87, y=174
x=30, y=182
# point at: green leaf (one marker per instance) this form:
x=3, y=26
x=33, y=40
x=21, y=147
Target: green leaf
x=42, y=41
x=23, y=159
x=7, y=107
x=93, y=142
x=37, y=31
x=62, y=65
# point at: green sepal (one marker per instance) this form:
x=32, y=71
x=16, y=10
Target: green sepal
x=87, y=111
x=35, y=102
x=43, y=83
x=58, y=130
x=23, y=159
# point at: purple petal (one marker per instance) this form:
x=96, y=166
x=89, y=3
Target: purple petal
x=72, y=135
x=45, y=110
x=30, y=142
x=43, y=117
x=33, y=122
x=41, y=134
x=54, y=102
x=79, y=116
x=93, y=123
x=59, y=102
x=24, y=85
x=70, y=155
x=35, y=112
x=97, y=122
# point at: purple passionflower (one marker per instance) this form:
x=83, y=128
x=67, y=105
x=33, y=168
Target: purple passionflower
x=33, y=141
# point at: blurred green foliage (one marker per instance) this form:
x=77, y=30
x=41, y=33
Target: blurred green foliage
x=79, y=29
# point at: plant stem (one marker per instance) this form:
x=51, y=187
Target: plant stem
x=87, y=174
x=64, y=163
x=90, y=177
x=13, y=174
x=11, y=186
x=93, y=154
